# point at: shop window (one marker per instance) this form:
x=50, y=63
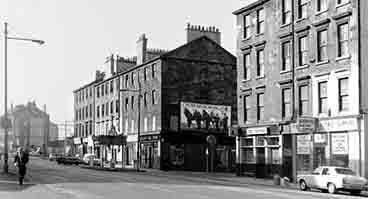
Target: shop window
x=273, y=141
x=248, y=155
x=260, y=141
x=275, y=156
x=247, y=142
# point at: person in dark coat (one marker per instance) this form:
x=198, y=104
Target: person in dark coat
x=198, y=118
x=20, y=161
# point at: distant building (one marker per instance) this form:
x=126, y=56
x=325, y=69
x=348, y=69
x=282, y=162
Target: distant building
x=199, y=73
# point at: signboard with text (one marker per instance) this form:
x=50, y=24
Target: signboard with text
x=339, y=143
x=344, y=124
x=214, y=118
x=257, y=131
x=303, y=143
x=306, y=124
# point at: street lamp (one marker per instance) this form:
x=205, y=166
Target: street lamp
x=139, y=91
x=6, y=122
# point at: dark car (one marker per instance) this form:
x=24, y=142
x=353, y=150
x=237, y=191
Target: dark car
x=68, y=160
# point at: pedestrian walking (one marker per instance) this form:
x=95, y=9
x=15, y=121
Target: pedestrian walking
x=20, y=161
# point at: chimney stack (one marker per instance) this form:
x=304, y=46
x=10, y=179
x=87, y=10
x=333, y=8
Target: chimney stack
x=194, y=32
x=141, y=49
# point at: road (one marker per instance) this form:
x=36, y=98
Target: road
x=48, y=180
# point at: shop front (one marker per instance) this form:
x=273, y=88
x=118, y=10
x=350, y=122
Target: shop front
x=78, y=146
x=150, y=151
x=260, y=151
x=335, y=142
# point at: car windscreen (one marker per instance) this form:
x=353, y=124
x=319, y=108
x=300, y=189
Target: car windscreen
x=344, y=171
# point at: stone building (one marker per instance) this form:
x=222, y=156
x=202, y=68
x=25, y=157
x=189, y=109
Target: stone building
x=302, y=99
x=199, y=72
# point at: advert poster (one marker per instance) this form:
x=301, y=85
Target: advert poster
x=303, y=143
x=339, y=143
x=206, y=117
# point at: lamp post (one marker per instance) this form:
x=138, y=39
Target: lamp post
x=6, y=122
x=139, y=91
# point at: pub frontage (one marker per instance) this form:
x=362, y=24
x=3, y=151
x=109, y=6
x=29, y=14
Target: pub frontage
x=298, y=148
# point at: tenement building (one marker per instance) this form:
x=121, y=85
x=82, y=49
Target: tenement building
x=302, y=91
x=175, y=108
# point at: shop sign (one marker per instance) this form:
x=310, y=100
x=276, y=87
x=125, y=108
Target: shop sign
x=306, y=124
x=346, y=124
x=303, y=143
x=77, y=140
x=85, y=140
x=320, y=138
x=149, y=138
x=257, y=131
x=339, y=143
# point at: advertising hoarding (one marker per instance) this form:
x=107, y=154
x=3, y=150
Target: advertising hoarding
x=214, y=118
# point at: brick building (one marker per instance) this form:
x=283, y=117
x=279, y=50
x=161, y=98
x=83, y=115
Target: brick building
x=301, y=95
x=200, y=72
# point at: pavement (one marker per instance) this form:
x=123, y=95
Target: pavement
x=47, y=179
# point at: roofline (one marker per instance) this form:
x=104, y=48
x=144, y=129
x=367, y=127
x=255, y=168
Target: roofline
x=249, y=6
x=82, y=87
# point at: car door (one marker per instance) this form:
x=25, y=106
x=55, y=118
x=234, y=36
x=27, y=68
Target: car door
x=314, y=178
x=324, y=178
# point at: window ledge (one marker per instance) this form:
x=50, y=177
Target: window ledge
x=321, y=12
x=322, y=62
x=302, y=67
x=245, y=80
x=246, y=39
x=259, y=34
x=260, y=77
x=301, y=19
x=343, y=58
x=285, y=25
x=285, y=71
x=342, y=4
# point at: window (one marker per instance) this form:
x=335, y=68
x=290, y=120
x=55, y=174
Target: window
x=343, y=40
x=145, y=74
x=117, y=106
x=322, y=97
x=118, y=84
x=90, y=110
x=98, y=111
x=82, y=113
x=246, y=66
x=107, y=108
x=126, y=103
x=111, y=107
x=260, y=21
x=98, y=91
x=286, y=56
x=322, y=45
x=132, y=78
x=321, y=5
x=343, y=94
x=107, y=88
x=76, y=115
x=303, y=8
x=325, y=171
x=145, y=99
x=342, y=1
x=286, y=11
x=153, y=97
x=303, y=99
x=132, y=101
x=303, y=51
x=102, y=90
x=103, y=110
x=246, y=108
x=126, y=80
x=260, y=63
x=286, y=102
x=111, y=87
x=247, y=26
x=153, y=67
x=260, y=107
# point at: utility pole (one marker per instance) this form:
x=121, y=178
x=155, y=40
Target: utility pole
x=6, y=126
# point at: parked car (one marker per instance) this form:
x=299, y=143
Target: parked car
x=68, y=160
x=91, y=157
x=332, y=179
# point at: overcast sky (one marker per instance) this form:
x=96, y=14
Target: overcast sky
x=80, y=34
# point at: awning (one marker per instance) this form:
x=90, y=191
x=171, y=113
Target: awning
x=110, y=139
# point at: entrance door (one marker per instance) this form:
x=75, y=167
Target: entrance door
x=127, y=155
x=150, y=156
x=260, y=162
x=319, y=156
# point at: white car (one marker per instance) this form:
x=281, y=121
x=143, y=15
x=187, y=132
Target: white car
x=332, y=179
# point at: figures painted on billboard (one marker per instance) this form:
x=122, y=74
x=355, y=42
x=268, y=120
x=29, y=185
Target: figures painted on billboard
x=206, y=117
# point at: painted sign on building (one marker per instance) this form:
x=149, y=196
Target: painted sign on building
x=303, y=143
x=257, y=131
x=339, y=143
x=306, y=124
x=215, y=118
x=345, y=124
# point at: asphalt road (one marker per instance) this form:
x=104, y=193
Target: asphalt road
x=48, y=180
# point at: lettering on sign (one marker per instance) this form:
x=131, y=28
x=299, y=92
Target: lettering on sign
x=303, y=143
x=320, y=138
x=346, y=124
x=257, y=131
x=339, y=143
x=306, y=124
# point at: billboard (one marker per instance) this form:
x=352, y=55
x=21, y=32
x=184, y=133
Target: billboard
x=205, y=117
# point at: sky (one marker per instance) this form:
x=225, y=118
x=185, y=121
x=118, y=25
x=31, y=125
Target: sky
x=80, y=35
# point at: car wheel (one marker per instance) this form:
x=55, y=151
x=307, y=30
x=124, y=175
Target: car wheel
x=331, y=188
x=303, y=185
x=355, y=192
